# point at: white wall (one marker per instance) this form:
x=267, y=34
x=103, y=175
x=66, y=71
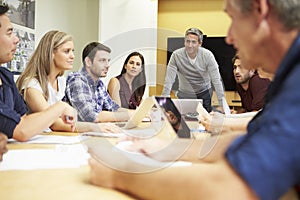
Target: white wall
x=126, y=26
x=123, y=25
x=78, y=18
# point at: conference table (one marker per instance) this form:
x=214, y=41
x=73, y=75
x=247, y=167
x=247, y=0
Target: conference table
x=54, y=183
x=66, y=183
x=46, y=182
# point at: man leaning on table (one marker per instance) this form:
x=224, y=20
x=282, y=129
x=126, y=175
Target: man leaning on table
x=197, y=71
x=14, y=122
x=265, y=162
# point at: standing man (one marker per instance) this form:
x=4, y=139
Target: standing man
x=196, y=68
x=251, y=88
x=14, y=122
x=87, y=93
x=265, y=162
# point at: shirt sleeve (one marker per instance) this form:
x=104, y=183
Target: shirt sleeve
x=258, y=88
x=7, y=125
x=267, y=158
x=80, y=96
x=214, y=73
x=170, y=76
x=12, y=106
x=34, y=83
x=19, y=102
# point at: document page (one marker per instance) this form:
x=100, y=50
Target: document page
x=62, y=156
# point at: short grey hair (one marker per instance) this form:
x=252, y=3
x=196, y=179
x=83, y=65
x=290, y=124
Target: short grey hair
x=195, y=31
x=286, y=11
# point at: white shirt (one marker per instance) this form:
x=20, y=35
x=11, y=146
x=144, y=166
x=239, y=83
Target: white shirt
x=54, y=96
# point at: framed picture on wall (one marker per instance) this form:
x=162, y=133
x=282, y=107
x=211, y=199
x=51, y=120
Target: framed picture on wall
x=22, y=12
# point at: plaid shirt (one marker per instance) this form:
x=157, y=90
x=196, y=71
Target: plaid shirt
x=87, y=96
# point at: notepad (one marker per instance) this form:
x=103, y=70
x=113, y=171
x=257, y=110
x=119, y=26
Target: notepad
x=62, y=156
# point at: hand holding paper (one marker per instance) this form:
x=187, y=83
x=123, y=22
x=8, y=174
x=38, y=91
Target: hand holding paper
x=202, y=112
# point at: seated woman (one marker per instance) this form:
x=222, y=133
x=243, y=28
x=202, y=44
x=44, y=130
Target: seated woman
x=42, y=83
x=128, y=88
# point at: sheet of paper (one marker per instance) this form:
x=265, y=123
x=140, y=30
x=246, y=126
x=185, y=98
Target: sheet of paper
x=63, y=156
x=135, y=132
x=101, y=134
x=51, y=139
x=202, y=111
x=226, y=108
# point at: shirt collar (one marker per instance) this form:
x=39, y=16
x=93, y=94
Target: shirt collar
x=287, y=65
x=89, y=77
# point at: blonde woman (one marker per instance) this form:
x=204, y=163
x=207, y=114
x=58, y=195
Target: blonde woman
x=42, y=83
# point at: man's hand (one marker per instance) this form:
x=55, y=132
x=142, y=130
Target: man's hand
x=3, y=147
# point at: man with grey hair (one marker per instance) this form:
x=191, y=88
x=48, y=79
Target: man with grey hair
x=196, y=68
x=265, y=162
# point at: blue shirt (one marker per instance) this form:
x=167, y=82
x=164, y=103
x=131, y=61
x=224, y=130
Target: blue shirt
x=87, y=96
x=268, y=157
x=12, y=104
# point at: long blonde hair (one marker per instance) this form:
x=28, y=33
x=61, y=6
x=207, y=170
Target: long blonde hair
x=41, y=60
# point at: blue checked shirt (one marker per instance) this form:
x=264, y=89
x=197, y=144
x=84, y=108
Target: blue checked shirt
x=87, y=96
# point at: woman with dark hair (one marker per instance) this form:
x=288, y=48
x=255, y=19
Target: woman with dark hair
x=127, y=89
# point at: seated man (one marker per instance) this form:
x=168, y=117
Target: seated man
x=234, y=122
x=251, y=88
x=87, y=93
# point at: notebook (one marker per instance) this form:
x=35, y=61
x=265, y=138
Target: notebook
x=187, y=105
x=139, y=114
x=135, y=120
x=168, y=111
x=170, y=114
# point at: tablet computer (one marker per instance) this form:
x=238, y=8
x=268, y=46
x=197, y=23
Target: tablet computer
x=173, y=116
